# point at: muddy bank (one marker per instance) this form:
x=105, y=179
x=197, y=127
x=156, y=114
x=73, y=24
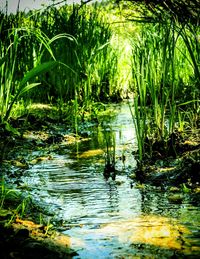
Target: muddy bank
x=175, y=162
x=21, y=236
x=25, y=239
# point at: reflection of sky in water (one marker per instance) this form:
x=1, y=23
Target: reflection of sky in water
x=123, y=126
x=83, y=195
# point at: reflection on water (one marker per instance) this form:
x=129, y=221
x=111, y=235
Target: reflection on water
x=150, y=235
x=112, y=219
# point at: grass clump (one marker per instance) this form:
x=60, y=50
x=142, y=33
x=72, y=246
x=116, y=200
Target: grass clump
x=164, y=67
x=68, y=53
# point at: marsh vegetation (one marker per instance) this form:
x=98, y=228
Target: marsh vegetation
x=64, y=73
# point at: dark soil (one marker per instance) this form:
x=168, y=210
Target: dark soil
x=175, y=162
x=20, y=243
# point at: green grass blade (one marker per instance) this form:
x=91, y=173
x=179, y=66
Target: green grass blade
x=36, y=71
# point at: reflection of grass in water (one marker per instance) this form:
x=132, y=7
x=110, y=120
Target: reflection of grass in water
x=109, y=169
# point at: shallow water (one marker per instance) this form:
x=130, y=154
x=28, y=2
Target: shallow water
x=112, y=219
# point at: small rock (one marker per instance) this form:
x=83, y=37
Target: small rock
x=175, y=198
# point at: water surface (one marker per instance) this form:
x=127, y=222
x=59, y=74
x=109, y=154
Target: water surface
x=112, y=219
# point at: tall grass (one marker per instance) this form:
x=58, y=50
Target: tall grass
x=17, y=75
x=87, y=54
x=90, y=55
x=79, y=39
x=165, y=62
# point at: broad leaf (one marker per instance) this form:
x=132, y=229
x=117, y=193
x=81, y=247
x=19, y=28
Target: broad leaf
x=40, y=69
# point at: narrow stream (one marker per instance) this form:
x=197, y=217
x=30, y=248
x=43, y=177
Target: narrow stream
x=112, y=219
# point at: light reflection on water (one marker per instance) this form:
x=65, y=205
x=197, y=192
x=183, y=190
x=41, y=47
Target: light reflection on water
x=109, y=218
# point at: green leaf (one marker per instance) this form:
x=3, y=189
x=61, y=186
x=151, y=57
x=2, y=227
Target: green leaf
x=185, y=188
x=188, y=102
x=12, y=130
x=28, y=87
x=40, y=69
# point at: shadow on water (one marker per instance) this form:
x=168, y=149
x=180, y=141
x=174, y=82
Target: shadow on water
x=113, y=219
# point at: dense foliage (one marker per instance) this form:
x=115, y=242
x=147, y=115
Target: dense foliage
x=76, y=55
x=165, y=72
x=78, y=39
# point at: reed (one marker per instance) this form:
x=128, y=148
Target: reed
x=89, y=55
x=16, y=78
x=78, y=38
x=164, y=62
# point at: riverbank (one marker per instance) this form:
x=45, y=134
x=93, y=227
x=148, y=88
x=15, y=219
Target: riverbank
x=25, y=239
x=25, y=230
x=30, y=140
x=32, y=145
